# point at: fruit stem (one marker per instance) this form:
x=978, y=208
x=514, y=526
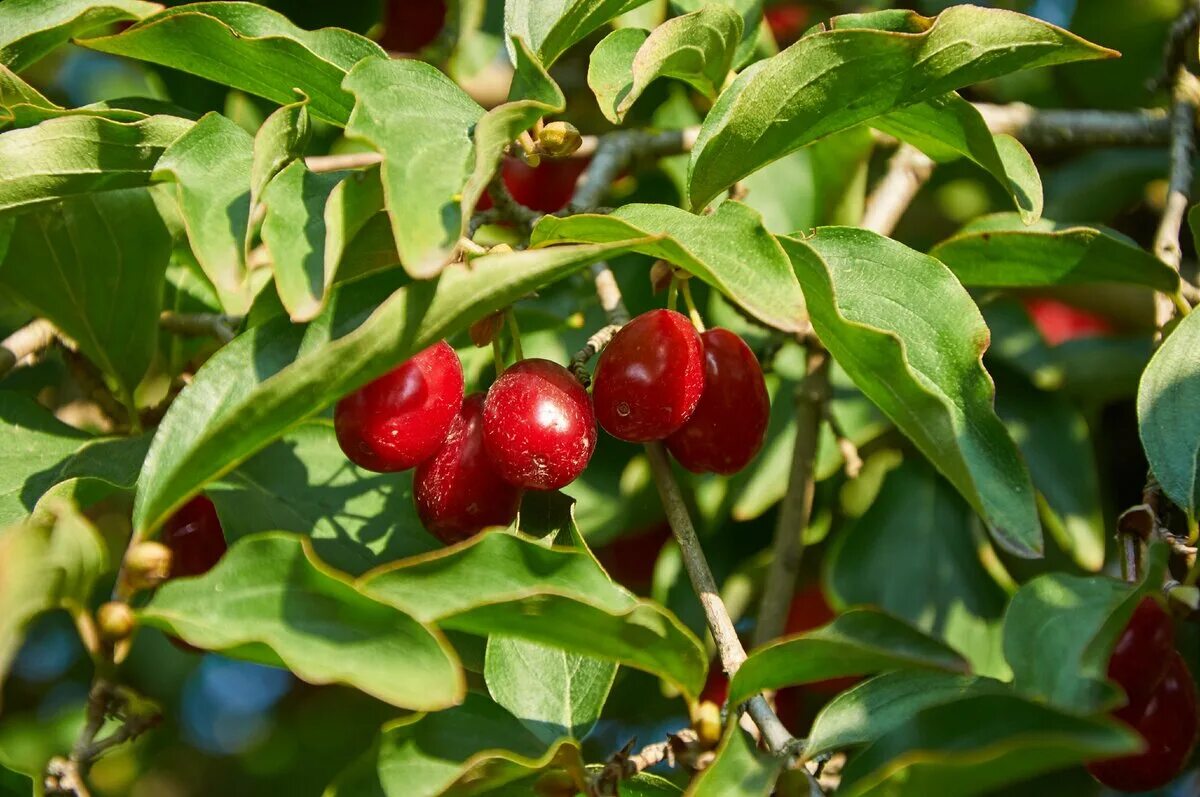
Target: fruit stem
x=497, y=355
x=510, y=318
x=685, y=288
x=673, y=294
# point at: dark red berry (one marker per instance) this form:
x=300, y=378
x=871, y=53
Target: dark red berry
x=546, y=187
x=195, y=538
x=1168, y=724
x=787, y=21
x=412, y=24
x=1060, y=322
x=649, y=378
x=402, y=417
x=1139, y=660
x=726, y=430
x=538, y=425
x=458, y=491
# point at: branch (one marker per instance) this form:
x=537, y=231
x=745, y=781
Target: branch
x=336, y=163
x=595, y=344
x=1055, y=128
x=614, y=152
x=1184, y=93
x=796, y=509
x=199, y=325
x=27, y=342
x=907, y=171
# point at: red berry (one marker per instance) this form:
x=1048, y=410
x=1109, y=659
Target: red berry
x=1139, y=660
x=630, y=558
x=1168, y=724
x=195, y=538
x=412, y=24
x=402, y=417
x=649, y=378
x=1059, y=322
x=548, y=186
x=787, y=21
x=726, y=430
x=458, y=491
x=538, y=426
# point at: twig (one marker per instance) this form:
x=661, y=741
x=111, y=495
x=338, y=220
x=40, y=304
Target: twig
x=1180, y=39
x=199, y=325
x=1184, y=93
x=682, y=747
x=610, y=294
x=787, y=549
x=1054, y=128
x=91, y=385
x=907, y=171
x=614, y=152
x=595, y=344
x=27, y=342
x=336, y=163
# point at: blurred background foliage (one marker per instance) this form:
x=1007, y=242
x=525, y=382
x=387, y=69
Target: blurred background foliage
x=1066, y=385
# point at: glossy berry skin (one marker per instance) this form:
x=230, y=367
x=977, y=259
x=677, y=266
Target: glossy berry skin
x=195, y=537
x=726, y=430
x=546, y=187
x=649, y=379
x=1060, y=322
x=1167, y=721
x=1140, y=658
x=402, y=417
x=458, y=491
x=538, y=425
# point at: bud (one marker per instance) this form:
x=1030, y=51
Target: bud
x=661, y=274
x=500, y=249
x=708, y=724
x=559, y=139
x=485, y=330
x=147, y=564
x=115, y=621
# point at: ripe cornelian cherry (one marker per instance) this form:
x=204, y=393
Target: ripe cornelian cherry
x=458, y=491
x=1139, y=660
x=726, y=430
x=195, y=537
x=402, y=417
x=538, y=425
x=412, y=24
x=649, y=378
x=1167, y=721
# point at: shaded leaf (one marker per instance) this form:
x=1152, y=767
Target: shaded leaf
x=421, y=123
x=249, y=47
x=280, y=140
x=94, y=266
x=500, y=584
x=74, y=155
x=555, y=694
x=551, y=26
x=29, y=29
x=270, y=599
x=977, y=744
x=1000, y=251
x=949, y=127
x=739, y=770
x=792, y=99
x=856, y=642
x=912, y=339
x=884, y=559
x=697, y=48
x=278, y=373
x=729, y=250
x=1168, y=416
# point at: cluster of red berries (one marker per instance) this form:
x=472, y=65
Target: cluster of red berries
x=1161, y=703
x=535, y=428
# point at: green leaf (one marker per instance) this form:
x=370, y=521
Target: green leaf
x=697, y=48
x=303, y=483
x=549, y=27
x=500, y=584
x=798, y=96
x=1060, y=631
x=856, y=642
x=271, y=599
x=739, y=770
x=751, y=12
x=281, y=139
x=278, y=373
x=421, y=123
x=999, y=251
x=94, y=266
x=729, y=249
x=249, y=47
x=476, y=745
x=15, y=93
x=1054, y=439
x=210, y=165
x=41, y=452
x=912, y=339
x=1168, y=420
x=883, y=559
x=553, y=693
x=533, y=94
x=29, y=29
x=74, y=155
x=949, y=127
x=874, y=708
x=974, y=745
